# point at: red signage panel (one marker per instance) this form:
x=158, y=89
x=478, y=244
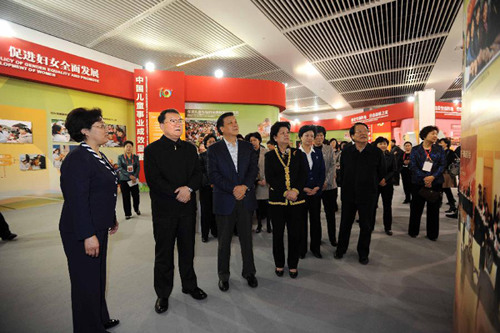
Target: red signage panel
x=23, y=59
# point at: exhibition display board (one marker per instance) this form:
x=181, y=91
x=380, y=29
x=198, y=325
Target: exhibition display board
x=477, y=284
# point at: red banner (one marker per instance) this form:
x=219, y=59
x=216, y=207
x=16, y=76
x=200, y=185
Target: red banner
x=23, y=59
x=448, y=110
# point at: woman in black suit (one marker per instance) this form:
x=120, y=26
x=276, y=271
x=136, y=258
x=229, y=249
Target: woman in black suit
x=207, y=221
x=88, y=184
x=286, y=175
x=386, y=185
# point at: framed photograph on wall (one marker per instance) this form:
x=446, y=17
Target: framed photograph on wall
x=15, y=131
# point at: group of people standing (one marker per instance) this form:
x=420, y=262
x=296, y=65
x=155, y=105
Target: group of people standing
x=236, y=178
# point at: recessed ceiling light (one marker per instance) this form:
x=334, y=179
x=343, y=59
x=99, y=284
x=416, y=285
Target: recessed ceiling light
x=219, y=73
x=411, y=99
x=315, y=118
x=150, y=66
x=6, y=29
x=296, y=120
x=339, y=117
x=455, y=101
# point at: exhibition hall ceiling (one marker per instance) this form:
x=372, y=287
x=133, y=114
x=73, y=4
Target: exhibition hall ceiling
x=361, y=53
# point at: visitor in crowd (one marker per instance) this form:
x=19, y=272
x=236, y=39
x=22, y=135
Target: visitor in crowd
x=88, y=184
x=329, y=194
x=449, y=181
x=5, y=232
x=208, y=223
x=261, y=187
x=270, y=145
x=313, y=190
x=396, y=151
x=386, y=185
x=362, y=167
x=128, y=168
x=286, y=173
x=427, y=162
x=404, y=167
x=173, y=174
x=232, y=169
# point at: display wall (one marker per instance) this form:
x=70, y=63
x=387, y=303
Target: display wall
x=477, y=287
x=43, y=106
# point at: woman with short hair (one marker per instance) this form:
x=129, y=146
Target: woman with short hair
x=129, y=167
x=427, y=162
x=88, y=184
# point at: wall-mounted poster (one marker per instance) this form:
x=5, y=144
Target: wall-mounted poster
x=30, y=162
x=59, y=153
x=482, y=37
x=117, y=135
x=59, y=131
x=15, y=131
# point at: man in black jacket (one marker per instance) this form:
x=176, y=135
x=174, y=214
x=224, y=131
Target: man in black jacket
x=173, y=173
x=362, y=167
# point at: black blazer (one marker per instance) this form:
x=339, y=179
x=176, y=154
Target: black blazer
x=169, y=165
x=316, y=175
x=360, y=173
x=391, y=169
x=89, y=191
x=204, y=169
x=222, y=174
x=275, y=176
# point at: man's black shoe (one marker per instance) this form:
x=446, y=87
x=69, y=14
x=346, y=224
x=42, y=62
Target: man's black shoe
x=453, y=215
x=111, y=323
x=9, y=237
x=364, y=261
x=252, y=281
x=388, y=232
x=161, y=305
x=196, y=293
x=317, y=254
x=138, y=212
x=204, y=239
x=451, y=210
x=338, y=255
x=223, y=285
x=334, y=243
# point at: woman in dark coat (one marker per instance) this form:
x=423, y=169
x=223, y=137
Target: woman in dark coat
x=386, y=185
x=286, y=174
x=404, y=169
x=449, y=181
x=427, y=162
x=129, y=167
x=88, y=184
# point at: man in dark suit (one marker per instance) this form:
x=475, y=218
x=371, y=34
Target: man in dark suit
x=173, y=174
x=232, y=169
x=362, y=167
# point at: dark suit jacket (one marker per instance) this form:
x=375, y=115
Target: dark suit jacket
x=360, y=173
x=222, y=174
x=316, y=175
x=89, y=192
x=275, y=176
x=169, y=165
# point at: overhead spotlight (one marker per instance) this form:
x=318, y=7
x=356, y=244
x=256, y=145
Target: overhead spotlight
x=296, y=120
x=218, y=73
x=455, y=101
x=315, y=118
x=6, y=29
x=150, y=66
x=411, y=99
x=339, y=117
x=286, y=84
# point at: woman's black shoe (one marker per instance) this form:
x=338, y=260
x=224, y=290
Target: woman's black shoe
x=294, y=275
x=111, y=323
x=258, y=230
x=278, y=272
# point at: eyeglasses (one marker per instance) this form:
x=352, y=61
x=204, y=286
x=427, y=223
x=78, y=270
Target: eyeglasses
x=174, y=121
x=102, y=126
x=361, y=131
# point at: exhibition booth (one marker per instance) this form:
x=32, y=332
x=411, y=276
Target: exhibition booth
x=40, y=85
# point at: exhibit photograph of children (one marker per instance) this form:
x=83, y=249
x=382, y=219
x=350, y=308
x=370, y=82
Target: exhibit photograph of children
x=117, y=135
x=15, y=131
x=197, y=130
x=59, y=131
x=31, y=162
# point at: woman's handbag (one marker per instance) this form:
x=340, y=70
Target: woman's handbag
x=429, y=194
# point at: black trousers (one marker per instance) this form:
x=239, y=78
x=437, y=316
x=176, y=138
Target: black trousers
x=291, y=217
x=449, y=197
x=387, y=192
x=166, y=230
x=263, y=212
x=313, y=208
x=406, y=177
x=88, y=283
x=242, y=218
x=329, y=199
x=416, y=210
x=348, y=215
x=208, y=222
x=4, y=227
x=126, y=191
